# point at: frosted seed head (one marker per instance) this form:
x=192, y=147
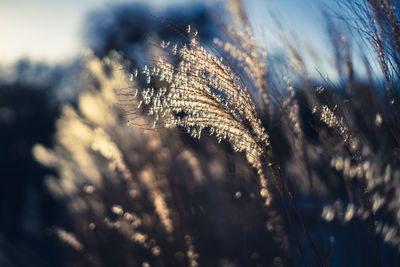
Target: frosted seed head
x=117, y=209
x=378, y=120
x=328, y=213
x=238, y=194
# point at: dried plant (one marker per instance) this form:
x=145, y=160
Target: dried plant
x=96, y=130
x=202, y=93
x=122, y=182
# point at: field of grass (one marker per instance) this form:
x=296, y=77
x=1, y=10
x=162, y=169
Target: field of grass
x=214, y=153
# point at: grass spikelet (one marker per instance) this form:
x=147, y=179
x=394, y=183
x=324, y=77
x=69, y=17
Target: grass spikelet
x=202, y=93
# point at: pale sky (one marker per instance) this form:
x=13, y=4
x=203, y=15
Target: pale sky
x=52, y=30
x=47, y=29
x=41, y=29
